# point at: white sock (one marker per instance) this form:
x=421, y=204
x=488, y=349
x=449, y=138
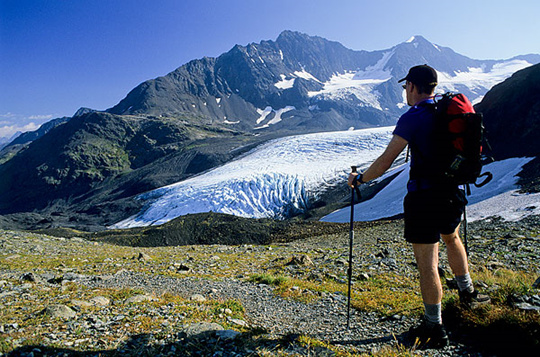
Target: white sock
x=433, y=313
x=464, y=282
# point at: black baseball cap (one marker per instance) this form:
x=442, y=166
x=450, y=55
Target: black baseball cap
x=421, y=75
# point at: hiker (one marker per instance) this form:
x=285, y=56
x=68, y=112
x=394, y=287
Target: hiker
x=432, y=207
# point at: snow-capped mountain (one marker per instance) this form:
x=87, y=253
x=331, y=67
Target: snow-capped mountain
x=302, y=83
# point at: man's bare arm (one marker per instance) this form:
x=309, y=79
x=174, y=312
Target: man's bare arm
x=383, y=162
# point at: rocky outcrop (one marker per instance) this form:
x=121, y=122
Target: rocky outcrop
x=512, y=119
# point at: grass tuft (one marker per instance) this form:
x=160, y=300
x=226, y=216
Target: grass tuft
x=268, y=279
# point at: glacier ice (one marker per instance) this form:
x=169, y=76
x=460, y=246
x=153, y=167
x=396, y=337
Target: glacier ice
x=276, y=179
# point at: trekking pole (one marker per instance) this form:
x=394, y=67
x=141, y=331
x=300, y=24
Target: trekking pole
x=468, y=190
x=465, y=230
x=351, y=238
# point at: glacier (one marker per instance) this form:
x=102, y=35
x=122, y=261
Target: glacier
x=274, y=180
x=285, y=176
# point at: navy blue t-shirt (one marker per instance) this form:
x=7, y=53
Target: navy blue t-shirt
x=417, y=126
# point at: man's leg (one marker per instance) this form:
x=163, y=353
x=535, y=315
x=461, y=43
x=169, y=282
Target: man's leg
x=430, y=333
x=457, y=258
x=427, y=259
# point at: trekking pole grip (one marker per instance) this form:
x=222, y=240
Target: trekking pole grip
x=355, y=188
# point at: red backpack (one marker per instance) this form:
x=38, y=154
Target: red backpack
x=461, y=136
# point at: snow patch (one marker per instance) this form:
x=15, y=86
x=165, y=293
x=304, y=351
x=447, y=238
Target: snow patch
x=376, y=73
x=263, y=114
x=360, y=84
x=498, y=198
x=305, y=75
x=285, y=83
x=277, y=117
x=477, y=78
x=510, y=206
x=344, y=85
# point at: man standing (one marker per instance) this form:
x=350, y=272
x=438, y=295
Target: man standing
x=432, y=207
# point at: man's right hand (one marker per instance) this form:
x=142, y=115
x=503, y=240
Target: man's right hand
x=353, y=180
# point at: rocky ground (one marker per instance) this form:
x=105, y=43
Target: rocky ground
x=74, y=296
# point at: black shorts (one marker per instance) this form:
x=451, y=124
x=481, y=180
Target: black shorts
x=432, y=212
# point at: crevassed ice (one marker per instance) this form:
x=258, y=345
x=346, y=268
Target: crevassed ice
x=275, y=180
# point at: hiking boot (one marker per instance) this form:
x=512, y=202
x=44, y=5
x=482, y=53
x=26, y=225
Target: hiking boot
x=427, y=335
x=472, y=300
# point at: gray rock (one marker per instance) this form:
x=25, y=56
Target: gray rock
x=7, y=293
x=227, y=334
x=29, y=277
x=300, y=260
x=80, y=303
x=24, y=287
x=100, y=301
x=182, y=268
x=363, y=277
x=72, y=277
x=201, y=329
x=197, y=297
x=59, y=311
x=526, y=306
x=139, y=298
x=238, y=322
x=144, y=257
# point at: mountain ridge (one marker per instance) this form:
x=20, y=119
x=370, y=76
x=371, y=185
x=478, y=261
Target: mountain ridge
x=87, y=171
x=300, y=72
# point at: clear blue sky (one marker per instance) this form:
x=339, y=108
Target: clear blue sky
x=59, y=55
